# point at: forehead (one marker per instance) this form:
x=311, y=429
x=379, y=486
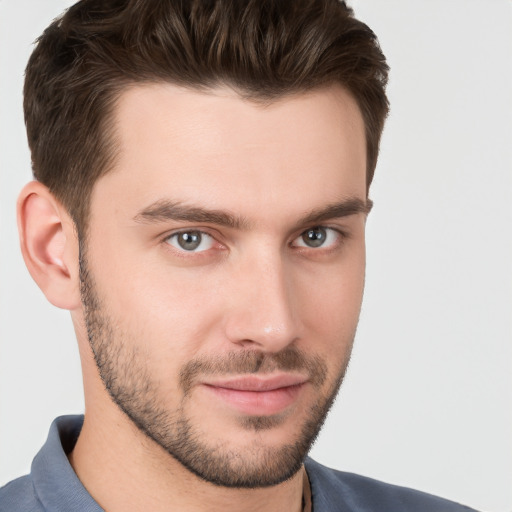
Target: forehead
x=219, y=150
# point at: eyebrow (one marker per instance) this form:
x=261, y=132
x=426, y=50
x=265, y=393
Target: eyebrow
x=165, y=210
x=345, y=208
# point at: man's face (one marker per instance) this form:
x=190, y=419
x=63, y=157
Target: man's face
x=223, y=271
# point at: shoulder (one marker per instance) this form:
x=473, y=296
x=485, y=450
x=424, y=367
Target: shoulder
x=336, y=490
x=19, y=496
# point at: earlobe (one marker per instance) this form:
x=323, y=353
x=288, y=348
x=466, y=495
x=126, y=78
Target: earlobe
x=49, y=245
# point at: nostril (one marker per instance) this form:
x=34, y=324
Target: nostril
x=246, y=343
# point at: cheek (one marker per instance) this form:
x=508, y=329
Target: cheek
x=331, y=303
x=167, y=311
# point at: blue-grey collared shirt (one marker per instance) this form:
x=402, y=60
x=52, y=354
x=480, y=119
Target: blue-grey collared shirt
x=52, y=485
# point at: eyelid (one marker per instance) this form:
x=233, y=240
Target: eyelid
x=187, y=229
x=174, y=234
x=340, y=234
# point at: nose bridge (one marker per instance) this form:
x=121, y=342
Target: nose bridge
x=262, y=311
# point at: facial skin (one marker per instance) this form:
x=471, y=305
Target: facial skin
x=223, y=271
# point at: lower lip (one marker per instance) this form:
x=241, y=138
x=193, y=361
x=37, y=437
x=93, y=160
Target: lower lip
x=258, y=403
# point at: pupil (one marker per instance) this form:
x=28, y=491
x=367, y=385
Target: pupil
x=190, y=240
x=314, y=237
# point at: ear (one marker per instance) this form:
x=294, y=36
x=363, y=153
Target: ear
x=49, y=244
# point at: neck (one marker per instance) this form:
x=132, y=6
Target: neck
x=125, y=471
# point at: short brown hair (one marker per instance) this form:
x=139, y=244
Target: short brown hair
x=265, y=49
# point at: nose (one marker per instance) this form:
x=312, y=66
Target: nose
x=262, y=312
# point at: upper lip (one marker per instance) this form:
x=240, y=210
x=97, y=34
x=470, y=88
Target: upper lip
x=258, y=382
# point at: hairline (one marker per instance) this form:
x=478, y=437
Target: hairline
x=108, y=127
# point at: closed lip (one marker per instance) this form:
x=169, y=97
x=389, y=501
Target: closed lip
x=259, y=383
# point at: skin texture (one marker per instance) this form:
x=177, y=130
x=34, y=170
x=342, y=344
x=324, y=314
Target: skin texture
x=256, y=298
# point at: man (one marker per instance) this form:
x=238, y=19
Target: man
x=202, y=173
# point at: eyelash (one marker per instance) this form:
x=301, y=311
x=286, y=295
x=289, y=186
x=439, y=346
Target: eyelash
x=340, y=234
x=183, y=252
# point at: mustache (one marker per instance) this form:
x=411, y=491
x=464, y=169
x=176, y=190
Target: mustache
x=254, y=362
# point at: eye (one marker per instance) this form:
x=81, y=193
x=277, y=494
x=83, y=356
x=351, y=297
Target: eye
x=191, y=241
x=317, y=236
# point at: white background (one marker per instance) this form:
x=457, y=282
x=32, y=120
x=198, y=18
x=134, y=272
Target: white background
x=428, y=399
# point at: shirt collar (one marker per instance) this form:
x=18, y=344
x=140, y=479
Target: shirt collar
x=59, y=489
x=55, y=482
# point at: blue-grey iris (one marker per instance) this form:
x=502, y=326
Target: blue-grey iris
x=314, y=237
x=189, y=240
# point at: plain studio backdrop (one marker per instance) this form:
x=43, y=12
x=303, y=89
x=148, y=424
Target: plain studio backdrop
x=427, y=402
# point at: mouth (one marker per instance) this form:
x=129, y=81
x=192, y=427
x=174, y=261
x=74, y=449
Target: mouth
x=258, y=395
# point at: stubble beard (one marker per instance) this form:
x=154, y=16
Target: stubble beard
x=129, y=383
